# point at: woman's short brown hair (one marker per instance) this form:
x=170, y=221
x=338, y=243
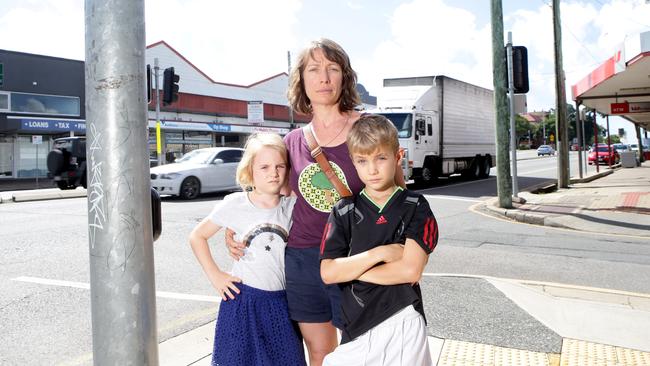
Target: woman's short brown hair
x=333, y=52
x=370, y=132
x=254, y=144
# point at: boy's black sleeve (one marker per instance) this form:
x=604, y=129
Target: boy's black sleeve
x=423, y=227
x=336, y=236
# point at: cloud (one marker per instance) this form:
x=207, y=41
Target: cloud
x=429, y=37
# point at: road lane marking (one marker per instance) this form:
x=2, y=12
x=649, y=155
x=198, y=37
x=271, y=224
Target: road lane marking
x=86, y=286
x=536, y=171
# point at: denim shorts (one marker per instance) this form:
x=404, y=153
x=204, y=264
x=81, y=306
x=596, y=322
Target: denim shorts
x=309, y=299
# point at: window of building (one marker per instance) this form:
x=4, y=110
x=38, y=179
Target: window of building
x=4, y=101
x=45, y=104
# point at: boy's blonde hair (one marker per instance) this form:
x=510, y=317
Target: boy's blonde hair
x=255, y=143
x=371, y=132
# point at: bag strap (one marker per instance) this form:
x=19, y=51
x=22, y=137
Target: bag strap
x=319, y=155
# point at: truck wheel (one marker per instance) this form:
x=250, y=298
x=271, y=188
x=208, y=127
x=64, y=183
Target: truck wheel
x=190, y=188
x=427, y=177
x=474, y=171
x=485, y=167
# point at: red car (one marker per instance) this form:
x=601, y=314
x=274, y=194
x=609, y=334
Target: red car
x=603, y=154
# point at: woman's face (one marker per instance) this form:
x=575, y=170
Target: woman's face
x=322, y=79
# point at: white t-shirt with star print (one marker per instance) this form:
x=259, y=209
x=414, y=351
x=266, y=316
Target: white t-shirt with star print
x=265, y=233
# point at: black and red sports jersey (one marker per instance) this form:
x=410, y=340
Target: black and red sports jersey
x=357, y=225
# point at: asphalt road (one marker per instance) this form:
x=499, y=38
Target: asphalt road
x=49, y=322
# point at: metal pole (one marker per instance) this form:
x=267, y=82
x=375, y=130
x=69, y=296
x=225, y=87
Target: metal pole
x=584, y=142
x=580, y=141
x=596, y=141
x=159, y=153
x=639, y=141
x=291, y=123
x=120, y=233
x=609, y=145
x=504, y=189
x=37, y=171
x=561, y=130
x=513, y=128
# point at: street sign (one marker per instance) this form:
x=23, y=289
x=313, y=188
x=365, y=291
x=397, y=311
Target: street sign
x=37, y=139
x=551, y=137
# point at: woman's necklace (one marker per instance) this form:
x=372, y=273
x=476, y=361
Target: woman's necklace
x=338, y=133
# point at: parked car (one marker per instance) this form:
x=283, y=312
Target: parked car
x=603, y=154
x=621, y=147
x=545, y=150
x=66, y=162
x=199, y=171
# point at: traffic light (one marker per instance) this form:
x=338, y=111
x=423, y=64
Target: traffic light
x=519, y=69
x=170, y=86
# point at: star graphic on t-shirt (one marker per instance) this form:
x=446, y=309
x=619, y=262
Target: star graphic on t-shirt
x=268, y=248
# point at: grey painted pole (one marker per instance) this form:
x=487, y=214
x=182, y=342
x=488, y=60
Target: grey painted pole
x=561, y=130
x=119, y=201
x=504, y=189
x=513, y=127
x=580, y=141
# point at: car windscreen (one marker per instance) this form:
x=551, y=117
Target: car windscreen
x=63, y=144
x=603, y=149
x=403, y=122
x=196, y=156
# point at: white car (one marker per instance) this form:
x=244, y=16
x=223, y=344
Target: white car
x=545, y=150
x=199, y=171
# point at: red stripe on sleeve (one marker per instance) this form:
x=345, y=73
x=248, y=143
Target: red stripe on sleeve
x=426, y=232
x=326, y=233
x=434, y=232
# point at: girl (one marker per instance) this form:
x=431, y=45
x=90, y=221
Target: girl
x=253, y=325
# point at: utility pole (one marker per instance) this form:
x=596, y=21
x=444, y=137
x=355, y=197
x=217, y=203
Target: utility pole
x=609, y=145
x=120, y=233
x=291, y=124
x=562, y=132
x=513, y=128
x=504, y=189
x=580, y=141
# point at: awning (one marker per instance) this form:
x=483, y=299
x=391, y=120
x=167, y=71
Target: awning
x=621, y=85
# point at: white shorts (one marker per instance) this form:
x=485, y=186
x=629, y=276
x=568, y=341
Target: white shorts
x=400, y=340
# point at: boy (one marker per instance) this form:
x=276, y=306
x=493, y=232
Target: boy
x=375, y=246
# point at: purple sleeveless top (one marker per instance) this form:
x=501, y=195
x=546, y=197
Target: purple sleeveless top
x=316, y=195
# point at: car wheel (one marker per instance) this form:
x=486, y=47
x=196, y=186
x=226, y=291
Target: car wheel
x=63, y=185
x=190, y=188
x=55, y=161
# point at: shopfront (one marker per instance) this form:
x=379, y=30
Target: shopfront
x=25, y=143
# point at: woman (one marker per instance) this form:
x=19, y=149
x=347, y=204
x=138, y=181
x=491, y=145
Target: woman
x=322, y=84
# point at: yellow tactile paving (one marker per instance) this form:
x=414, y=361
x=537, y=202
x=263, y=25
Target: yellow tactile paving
x=582, y=353
x=457, y=353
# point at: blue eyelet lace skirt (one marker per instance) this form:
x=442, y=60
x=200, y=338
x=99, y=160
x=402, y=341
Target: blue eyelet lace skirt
x=254, y=329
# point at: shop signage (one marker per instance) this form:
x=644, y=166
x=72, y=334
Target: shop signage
x=37, y=139
x=625, y=108
x=51, y=125
x=255, y=111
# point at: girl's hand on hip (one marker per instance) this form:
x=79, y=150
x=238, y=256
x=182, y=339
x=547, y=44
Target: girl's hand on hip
x=235, y=248
x=224, y=283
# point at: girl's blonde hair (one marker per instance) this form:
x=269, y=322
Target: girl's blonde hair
x=255, y=143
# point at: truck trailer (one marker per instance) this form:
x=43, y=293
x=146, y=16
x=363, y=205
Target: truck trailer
x=446, y=126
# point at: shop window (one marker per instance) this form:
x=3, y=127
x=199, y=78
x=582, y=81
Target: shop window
x=32, y=159
x=45, y=104
x=4, y=101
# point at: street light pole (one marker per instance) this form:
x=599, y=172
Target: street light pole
x=120, y=233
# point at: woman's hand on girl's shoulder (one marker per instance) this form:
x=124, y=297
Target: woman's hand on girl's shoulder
x=235, y=248
x=224, y=283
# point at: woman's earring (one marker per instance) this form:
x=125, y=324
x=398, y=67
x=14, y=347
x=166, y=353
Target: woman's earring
x=249, y=189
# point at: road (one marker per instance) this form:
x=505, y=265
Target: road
x=45, y=304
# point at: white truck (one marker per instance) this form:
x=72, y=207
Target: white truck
x=445, y=126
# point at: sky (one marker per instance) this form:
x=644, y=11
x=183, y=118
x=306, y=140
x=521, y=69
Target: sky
x=245, y=41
